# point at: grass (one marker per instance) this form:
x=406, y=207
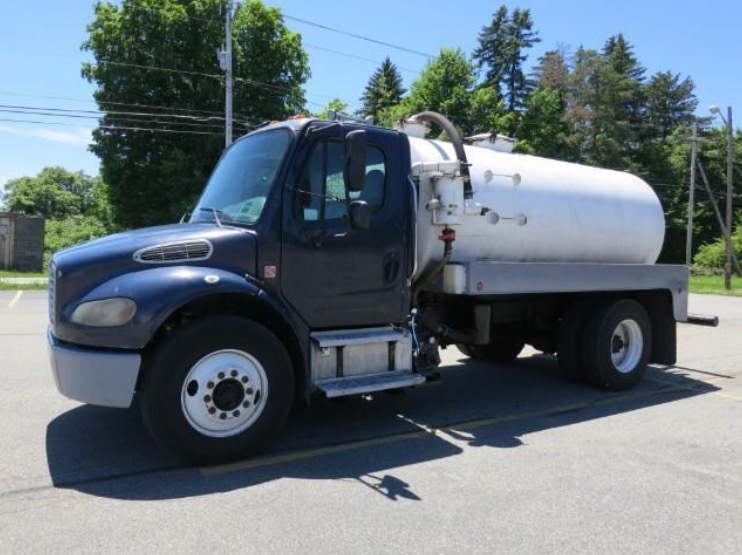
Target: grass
x=14, y=273
x=22, y=286
x=714, y=285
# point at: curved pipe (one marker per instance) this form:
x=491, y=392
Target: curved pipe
x=458, y=145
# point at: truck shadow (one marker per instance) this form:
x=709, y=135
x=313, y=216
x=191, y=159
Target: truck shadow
x=107, y=452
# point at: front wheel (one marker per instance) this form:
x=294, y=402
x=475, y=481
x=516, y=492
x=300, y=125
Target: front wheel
x=216, y=388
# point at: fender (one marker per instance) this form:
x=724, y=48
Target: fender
x=158, y=293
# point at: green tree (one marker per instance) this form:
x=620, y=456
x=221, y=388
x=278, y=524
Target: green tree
x=502, y=51
x=552, y=72
x=74, y=205
x=444, y=86
x=670, y=102
x=161, y=54
x=55, y=194
x=544, y=129
x=335, y=105
x=384, y=90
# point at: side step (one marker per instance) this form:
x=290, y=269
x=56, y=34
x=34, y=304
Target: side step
x=368, y=383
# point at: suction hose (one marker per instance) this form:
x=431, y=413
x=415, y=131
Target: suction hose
x=458, y=145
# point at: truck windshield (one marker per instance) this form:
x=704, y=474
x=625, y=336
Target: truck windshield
x=238, y=187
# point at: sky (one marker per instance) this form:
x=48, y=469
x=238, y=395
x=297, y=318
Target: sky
x=40, y=55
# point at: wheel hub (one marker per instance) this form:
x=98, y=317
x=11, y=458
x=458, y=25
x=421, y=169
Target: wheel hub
x=224, y=393
x=228, y=395
x=627, y=346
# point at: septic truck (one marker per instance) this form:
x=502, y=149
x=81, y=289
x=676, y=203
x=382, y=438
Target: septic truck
x=336, y=258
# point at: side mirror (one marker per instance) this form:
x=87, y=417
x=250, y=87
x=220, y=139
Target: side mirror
x=360, y=214
x=355, y=160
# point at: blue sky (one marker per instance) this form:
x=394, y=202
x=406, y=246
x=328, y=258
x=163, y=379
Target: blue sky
x=40, y=54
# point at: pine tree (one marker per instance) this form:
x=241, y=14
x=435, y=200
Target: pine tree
x=502, y=51
x=384, y=90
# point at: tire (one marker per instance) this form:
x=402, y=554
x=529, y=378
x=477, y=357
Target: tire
x=617, y=342
x=497, y=351
x=569, y=341
x=216, y=389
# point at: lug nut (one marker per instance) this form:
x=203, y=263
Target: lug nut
x=244, y=379
x=233, y=373
x=221, y=375
x=249, y=391
x=223, y=416
x=212, y=410
x=245, y=404
x=236, y=413
x=210, y=385
x=207, y=398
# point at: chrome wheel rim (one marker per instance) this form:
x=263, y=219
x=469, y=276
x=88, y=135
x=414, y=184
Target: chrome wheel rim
x=627, y=344
x=224, y=393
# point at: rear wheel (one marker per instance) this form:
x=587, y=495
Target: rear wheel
x=617, y=343
x=216, y=388
x=496, y=351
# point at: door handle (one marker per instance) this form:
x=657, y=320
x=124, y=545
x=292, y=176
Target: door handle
x=391, y=268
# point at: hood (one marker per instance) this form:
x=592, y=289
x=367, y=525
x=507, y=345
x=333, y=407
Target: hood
x=76, y=270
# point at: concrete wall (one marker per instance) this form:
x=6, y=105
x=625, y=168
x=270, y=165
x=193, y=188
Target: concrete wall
x=21, y=242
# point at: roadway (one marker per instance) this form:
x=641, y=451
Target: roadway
x=511, y=458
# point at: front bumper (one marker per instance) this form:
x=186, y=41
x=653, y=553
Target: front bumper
x=103, y=378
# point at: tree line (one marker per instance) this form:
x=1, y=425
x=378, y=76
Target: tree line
x=591, y=106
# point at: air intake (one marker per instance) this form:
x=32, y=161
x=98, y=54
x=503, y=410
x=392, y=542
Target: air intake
x=175, y=252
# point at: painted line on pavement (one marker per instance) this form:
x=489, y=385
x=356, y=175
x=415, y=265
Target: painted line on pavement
x=18, y=295
x=426, y=431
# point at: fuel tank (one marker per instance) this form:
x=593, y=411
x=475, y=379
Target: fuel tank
x=540, y=210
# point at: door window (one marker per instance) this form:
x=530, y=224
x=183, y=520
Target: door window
x=321, y=192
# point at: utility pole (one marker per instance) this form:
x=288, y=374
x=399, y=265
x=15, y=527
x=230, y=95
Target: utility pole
x=225, y=62
x=719, y=218
x=730, y=186
x=691, y=195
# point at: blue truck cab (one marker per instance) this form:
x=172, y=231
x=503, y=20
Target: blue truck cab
x=209, y=322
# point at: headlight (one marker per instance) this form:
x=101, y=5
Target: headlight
x=105, y=313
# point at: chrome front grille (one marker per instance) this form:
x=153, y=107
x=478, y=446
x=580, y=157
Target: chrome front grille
x=175, y=252
x=52, y=291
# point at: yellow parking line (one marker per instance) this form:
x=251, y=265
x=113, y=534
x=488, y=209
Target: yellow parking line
x=710, y=381
x=18, y=295
x=423, y=431
x=308, y=453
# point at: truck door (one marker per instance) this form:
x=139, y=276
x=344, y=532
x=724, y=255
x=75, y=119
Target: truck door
x=333, y=275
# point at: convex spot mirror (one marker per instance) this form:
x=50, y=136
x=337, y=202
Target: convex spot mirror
x=360, y=214
x=355, y=160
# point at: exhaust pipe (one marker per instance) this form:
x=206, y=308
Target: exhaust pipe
x=703, y=320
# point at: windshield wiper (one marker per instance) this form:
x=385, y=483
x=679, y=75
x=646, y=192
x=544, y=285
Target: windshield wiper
x=214, y=211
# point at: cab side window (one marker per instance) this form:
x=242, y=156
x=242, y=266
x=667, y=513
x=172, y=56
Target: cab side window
x=321, y=191
x=375, y=189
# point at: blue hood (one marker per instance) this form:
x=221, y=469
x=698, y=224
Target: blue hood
x=83, y=267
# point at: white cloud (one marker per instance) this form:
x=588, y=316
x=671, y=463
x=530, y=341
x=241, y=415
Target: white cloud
x=80, y=136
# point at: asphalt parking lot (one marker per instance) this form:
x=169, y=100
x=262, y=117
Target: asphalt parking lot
x=495, y=459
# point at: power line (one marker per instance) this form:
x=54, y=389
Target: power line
x=376, y=62
x=158, y=68
x=96, y=114
x=109, y=112
x=110, y=102
x=116, y=127
x=118, y=121
x=306, y=22
x=359, y=37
